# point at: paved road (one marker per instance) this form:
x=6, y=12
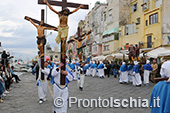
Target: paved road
x=23, y=97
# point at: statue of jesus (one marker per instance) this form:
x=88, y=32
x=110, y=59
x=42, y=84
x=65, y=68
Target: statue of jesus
x=63, y=26
x=41, y=40
x=79, y=44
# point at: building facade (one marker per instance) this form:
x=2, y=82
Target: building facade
x=117, y=14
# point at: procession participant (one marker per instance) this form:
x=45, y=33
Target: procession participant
x=130, y=73
x=123, y=73
x=93, y=68
x=42, y=84
x=161, y=92
x=101, y=69
x=73, y=70
x=136, y=75
x=77, y=65
x=60, y=91
x=147, y=70
x=81, y=76
x=89, y=72
x=85, y=68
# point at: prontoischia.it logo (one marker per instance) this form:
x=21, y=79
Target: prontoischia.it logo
x=107, y=103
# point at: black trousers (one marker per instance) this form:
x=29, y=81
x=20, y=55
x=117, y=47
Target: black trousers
x=16, y=77
x=8, y=83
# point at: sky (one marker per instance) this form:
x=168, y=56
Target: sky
x=18, y=36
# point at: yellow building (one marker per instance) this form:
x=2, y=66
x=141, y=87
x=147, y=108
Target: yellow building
x=145, y=25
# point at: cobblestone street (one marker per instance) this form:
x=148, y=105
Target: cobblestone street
x=23, y=97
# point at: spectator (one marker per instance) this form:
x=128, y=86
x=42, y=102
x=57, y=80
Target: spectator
x=154, y=72
x=14, y=75
x=4, y=58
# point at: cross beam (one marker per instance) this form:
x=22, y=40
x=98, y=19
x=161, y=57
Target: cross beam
x=38, y=22
x=64, y=4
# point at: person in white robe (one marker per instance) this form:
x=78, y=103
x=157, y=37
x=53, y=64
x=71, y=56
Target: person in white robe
x=136, y=75
x=123, y=74
x=147, y=70
x=101, y=70
x=60, y=91
x=42, y=84
x=93, y=67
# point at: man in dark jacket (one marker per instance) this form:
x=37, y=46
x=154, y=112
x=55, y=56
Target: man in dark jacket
x=4, y=58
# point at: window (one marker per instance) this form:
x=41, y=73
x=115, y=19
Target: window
x=153, y=18
x=106, y=48
x=130, y=29
x=146, y=22
x=94, y=48
x=134, y=7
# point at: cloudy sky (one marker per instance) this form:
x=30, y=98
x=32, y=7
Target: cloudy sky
x=18, y=36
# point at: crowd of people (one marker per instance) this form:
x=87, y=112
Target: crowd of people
x=6, y=76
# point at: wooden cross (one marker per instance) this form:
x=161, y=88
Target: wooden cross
x=46, y=25
x=63, y=4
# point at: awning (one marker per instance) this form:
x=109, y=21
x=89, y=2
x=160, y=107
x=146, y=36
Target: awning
x=159, y=52
x=116, y=56
x=108, y=32
x=99, y=58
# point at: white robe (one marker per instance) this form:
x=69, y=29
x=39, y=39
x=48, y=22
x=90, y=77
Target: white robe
x=130, y=76
x=94, y=72
x=101, y=72
x=146, y=76
x=80, y=80
x=137, y=79
x=88, y=73
x=59, y=92
x=123, y=77
x=42, y=87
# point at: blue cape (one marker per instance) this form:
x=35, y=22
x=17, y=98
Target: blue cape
x=93, y=66
x=123, y=68
x=100, y=66
x=136, y=69
x=85, y=68
x=147, y=67
x=161, y=90
x=130, y=67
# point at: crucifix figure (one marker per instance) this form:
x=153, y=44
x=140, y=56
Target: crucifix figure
x=63, y=27
x=41, y=40
x=79, y=45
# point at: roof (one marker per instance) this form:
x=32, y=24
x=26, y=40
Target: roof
x=111, y=31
